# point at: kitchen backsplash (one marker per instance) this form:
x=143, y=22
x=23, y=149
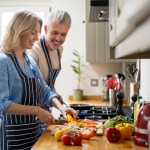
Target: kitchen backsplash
x=66, y=80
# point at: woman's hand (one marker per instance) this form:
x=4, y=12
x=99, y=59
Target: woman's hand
x=64, y=110
x=71, y=111
x=44, y=116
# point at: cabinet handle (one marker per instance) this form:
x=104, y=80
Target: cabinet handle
x=111, y=27
x=104, y=12
x=103, y=15
x=119, y=12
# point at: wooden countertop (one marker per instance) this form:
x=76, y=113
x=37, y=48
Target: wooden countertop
x=48, y=142
x=95, y=100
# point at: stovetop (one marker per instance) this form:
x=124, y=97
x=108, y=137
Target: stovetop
x=101, y=112
x=97, y=113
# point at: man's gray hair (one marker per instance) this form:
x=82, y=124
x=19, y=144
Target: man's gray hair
x=60, y=15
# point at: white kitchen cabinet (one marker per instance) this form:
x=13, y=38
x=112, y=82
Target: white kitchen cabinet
x=92, y=37
x=97, y=44
x=129, y=28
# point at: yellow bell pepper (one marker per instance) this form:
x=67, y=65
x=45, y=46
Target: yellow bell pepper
x=125, y=130
x=70, y=119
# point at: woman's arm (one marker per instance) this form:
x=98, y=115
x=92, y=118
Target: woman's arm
x=18, y=109
x=64, y=110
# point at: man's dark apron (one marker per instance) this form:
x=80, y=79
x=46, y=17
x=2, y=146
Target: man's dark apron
x=20, y=132
x=53, y=73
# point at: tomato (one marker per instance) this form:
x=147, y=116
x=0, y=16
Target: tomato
x=66, y=138
x=87, y=134
x=59, y=133
x=77, y=138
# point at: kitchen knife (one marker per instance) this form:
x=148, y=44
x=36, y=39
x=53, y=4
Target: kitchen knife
x=60, y=121
x=57, y=121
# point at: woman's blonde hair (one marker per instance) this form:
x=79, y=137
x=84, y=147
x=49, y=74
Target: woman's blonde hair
x=23, y=22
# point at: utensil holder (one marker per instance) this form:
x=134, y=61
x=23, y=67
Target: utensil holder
x=112, y=97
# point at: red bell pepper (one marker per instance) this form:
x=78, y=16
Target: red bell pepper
x=113, y=134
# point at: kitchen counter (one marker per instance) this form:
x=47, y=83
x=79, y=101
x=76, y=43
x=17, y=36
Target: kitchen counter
x=95, y=100
x=48, y=142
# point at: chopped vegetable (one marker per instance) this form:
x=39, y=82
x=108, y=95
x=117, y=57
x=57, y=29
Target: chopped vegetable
x=82, y=123
x=70, y=119
x=99, y=131
x=89, y=133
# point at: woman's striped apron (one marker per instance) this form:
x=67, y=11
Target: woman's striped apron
x=20, y=132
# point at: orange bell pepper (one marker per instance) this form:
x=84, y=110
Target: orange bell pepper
x=125, y=130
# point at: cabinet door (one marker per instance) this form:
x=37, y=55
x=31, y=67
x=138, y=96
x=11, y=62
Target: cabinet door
x=101, y=42
x=97, y=45
x=129, y=28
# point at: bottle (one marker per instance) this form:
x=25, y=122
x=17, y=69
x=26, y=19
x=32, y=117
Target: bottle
x=137, y=105
x=134, y=99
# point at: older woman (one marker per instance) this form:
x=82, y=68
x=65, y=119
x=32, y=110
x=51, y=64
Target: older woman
x=22, y=87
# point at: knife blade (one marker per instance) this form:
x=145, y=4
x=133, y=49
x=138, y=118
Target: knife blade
x=60, y=121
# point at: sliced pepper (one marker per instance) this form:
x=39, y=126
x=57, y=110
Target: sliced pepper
x=125, y=130
x=70, y=119
x=89, y=133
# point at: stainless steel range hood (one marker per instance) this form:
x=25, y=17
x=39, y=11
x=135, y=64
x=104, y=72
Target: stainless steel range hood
x=98, y=10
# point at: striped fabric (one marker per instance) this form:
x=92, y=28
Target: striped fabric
x=20, y=132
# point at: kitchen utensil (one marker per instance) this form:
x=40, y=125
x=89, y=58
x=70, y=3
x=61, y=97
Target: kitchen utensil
x=105, y=89
x=80, y=106
x=112, y=97
x=131, y=71
x=60, y=121
x=120, y=78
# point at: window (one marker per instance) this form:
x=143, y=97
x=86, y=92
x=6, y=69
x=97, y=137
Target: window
x=6, y=14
